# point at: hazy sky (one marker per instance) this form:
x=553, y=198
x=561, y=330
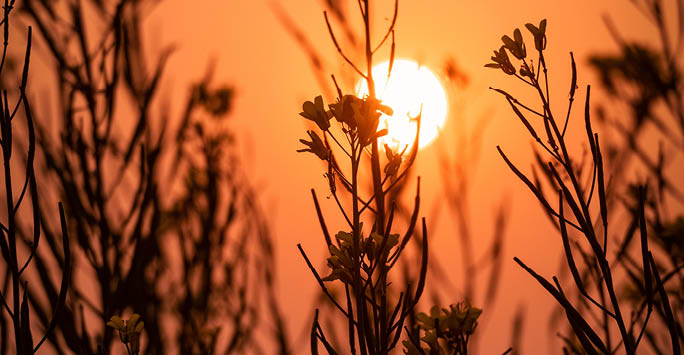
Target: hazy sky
x=273, y=77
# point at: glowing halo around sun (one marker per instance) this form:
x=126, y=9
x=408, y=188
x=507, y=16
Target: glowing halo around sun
x=409, y=86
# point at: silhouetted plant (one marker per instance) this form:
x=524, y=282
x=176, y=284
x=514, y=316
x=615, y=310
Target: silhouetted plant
x=165, y=221
x=565, y=175
x=360, y=260
x=10, y=230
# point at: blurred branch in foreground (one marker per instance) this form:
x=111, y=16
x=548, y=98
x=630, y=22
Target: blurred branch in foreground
x=645, y=110
x=163, y=218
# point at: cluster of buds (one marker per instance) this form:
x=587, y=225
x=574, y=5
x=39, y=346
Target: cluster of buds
x=516, y=46
x=129, y=331
x=359, y=117
x=373, y=248
x=359, y=120
x=446, y=330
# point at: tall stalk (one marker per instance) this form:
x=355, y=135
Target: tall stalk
x=363, y=262
x=20, y=313
x=564, y=174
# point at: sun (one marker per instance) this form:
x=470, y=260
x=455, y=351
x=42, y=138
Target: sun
x=409, y=87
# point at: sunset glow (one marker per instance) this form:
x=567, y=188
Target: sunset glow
x=258, y=177
x=410, y=86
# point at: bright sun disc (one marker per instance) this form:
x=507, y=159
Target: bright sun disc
x=409, y=86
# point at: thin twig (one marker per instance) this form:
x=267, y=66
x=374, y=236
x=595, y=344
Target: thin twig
x=332, y=35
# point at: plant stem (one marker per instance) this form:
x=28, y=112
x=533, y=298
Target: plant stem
x=375, y=156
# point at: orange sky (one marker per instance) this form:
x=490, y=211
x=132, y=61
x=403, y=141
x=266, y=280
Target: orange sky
x=273, y=77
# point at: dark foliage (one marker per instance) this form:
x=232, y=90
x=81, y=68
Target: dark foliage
x=163, y=219
x=645, y=109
